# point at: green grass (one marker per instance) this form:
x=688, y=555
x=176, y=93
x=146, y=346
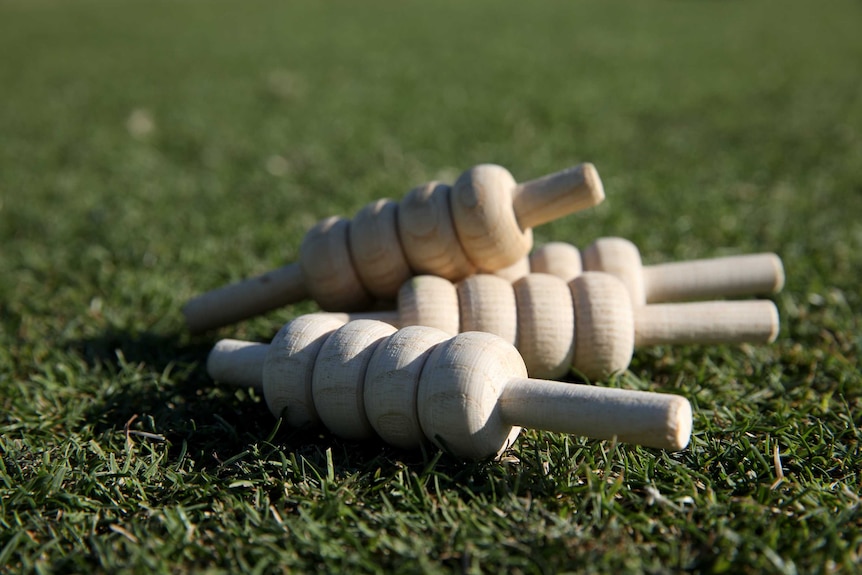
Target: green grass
x=718, y=128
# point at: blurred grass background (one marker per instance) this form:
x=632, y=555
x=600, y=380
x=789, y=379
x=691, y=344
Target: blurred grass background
x=152, y=151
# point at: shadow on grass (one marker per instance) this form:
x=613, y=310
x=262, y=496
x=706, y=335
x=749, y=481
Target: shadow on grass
x=159, y=386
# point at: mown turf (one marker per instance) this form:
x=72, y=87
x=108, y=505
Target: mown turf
x=150, y=151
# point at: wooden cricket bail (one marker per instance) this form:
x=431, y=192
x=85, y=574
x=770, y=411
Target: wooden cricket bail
x=468, y=394
x=589, y=324
x=481, y=224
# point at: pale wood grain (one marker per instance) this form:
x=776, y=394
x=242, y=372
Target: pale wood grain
x=392, y=384
x=546, y=324
x=339, y=375
x=376, y=251
x=558, y=259
x=288, y=368
x=487, y=303
x=709, y=278
x=481, y=223
x=590, y=320
x=428, y=235
x=468, y=394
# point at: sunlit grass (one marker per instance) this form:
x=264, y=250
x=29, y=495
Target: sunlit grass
x=149, y=152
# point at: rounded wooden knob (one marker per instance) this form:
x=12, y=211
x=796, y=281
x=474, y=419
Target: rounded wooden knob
x=327, y=268
x=339, y=375
x=288, y=367
x=376, y=251
x=487, y=303
x=392, y=382
x=605, y=328
x=515, y=271
x=428, y=236
x=430, y=301
x=558, y=259
x=459, y=391
x=620, y=258
x=546, y=324
x=483, y=212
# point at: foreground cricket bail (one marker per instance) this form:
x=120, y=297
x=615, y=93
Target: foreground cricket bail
x=468, y=394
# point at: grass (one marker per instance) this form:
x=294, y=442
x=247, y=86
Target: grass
x=149, y=152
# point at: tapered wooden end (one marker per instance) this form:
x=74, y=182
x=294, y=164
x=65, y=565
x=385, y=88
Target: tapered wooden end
x=238, y=363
